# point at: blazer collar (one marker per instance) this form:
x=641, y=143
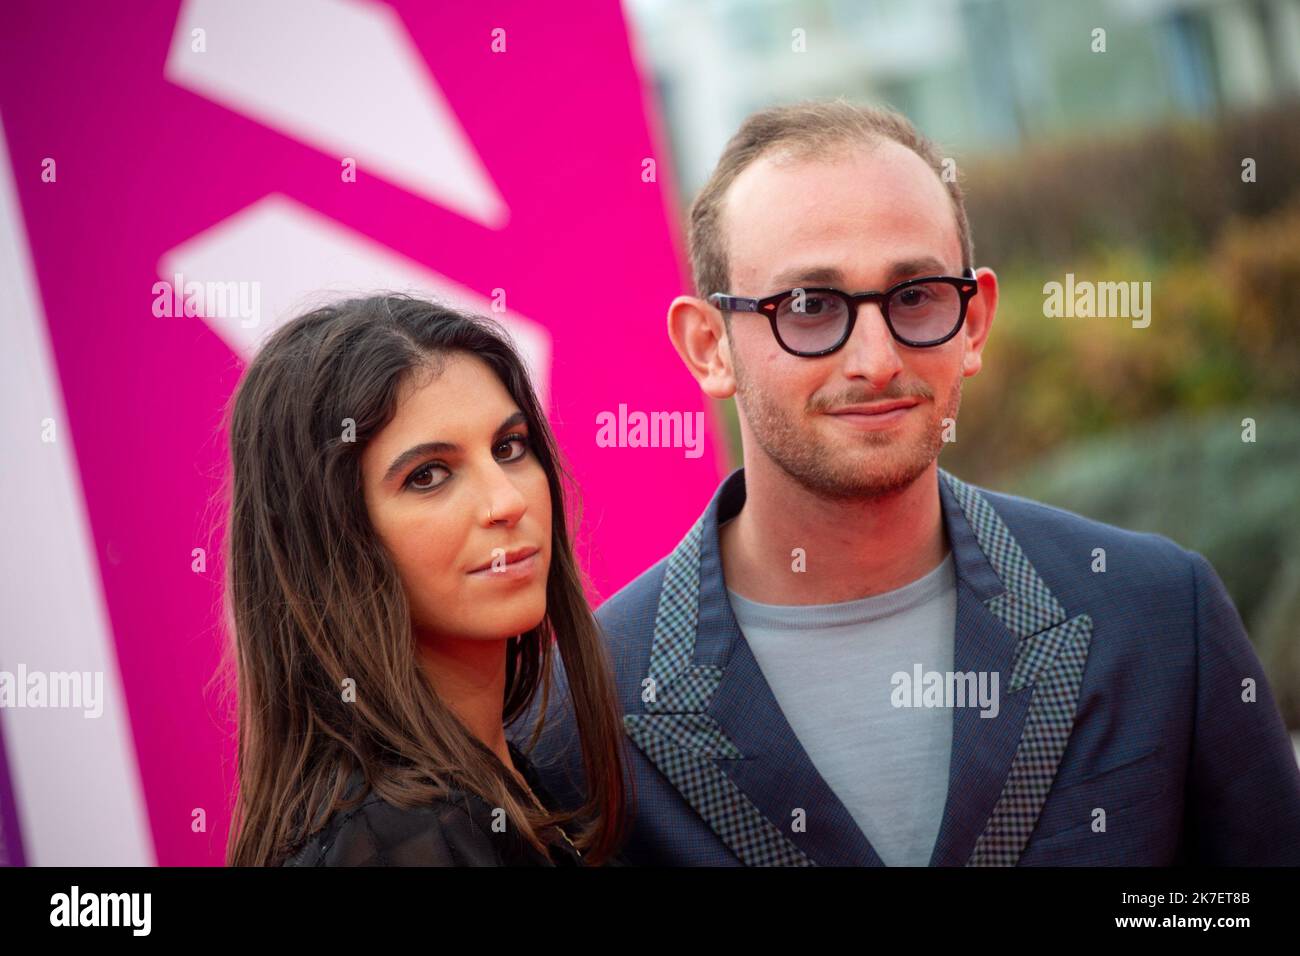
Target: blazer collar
x=714, y=729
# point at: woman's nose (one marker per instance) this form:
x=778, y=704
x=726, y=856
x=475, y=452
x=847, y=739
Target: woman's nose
x=503, y=502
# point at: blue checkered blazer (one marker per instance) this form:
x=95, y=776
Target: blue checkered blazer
x=1125, y=691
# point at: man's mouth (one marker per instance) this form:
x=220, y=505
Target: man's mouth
x=875, y=415
x=874, y=408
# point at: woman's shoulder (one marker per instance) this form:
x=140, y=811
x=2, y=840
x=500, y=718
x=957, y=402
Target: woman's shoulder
x=456, y=829
x=447, y=831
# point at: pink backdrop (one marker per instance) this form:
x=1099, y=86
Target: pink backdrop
x=163, y=160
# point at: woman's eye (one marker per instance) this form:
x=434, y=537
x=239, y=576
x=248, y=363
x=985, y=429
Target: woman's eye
x=418, y=478
x=519, y=440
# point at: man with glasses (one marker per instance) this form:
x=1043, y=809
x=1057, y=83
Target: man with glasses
x=855, y=658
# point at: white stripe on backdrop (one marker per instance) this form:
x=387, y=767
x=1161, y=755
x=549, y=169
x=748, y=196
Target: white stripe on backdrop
x=76, y=785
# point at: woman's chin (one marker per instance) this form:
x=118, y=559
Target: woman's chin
x=510, y=622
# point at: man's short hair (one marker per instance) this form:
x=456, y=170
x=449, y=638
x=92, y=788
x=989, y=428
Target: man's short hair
x=802, y=131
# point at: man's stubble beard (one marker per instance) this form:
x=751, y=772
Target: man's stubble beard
x=823, y=469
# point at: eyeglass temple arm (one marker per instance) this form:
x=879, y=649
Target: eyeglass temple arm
x=733, y=303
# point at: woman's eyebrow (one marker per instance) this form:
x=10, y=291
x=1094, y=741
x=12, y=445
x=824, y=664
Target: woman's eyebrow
x=443, y=447
x=518, y=418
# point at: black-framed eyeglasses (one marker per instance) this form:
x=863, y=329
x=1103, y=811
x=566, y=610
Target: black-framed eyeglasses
x=810, y=322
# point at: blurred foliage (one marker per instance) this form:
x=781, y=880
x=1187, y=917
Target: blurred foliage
x=1216, y=337
x=1167, y=190
x=1224, y=302
x=1141, y=427
x=1192, y=478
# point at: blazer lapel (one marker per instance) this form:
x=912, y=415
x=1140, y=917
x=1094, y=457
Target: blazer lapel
x=712, y=726
x=714, y=729
x=1008, y=623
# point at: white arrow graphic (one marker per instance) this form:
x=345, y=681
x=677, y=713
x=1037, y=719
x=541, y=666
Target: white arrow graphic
x=344, y=77
x=301, y=259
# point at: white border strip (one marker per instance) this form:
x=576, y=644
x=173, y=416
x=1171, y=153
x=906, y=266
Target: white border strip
x=76, y=784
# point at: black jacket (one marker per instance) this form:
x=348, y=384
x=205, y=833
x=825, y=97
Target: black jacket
x=453, y=831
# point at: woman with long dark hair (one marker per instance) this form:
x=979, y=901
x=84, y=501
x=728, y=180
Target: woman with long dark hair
x=398, y=568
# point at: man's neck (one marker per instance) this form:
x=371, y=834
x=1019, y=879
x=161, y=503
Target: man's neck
x=851, y=549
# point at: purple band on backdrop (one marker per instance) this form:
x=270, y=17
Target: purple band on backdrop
x=11, y=844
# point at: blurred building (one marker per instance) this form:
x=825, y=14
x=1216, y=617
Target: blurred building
x=977, y=75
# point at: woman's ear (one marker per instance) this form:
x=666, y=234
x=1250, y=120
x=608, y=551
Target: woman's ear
x=700, y=337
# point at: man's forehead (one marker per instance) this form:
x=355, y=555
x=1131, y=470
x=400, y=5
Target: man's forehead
x=882, y=161
x=854, y=206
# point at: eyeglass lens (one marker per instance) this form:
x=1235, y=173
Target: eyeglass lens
x=813, y=321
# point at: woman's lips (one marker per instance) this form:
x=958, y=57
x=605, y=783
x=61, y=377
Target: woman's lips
x=512, y=570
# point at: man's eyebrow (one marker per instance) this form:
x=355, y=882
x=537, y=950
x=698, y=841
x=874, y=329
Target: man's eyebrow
x=427, y=448
x=805, y=276
x=914, y=268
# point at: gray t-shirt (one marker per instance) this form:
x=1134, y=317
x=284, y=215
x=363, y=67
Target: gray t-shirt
x=831, y=668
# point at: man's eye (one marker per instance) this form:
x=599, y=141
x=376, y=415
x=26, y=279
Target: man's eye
x=810, y=303
x=417, y=480
x=521, y=441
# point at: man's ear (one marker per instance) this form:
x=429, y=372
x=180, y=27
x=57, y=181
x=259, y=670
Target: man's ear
x=700, y=338
x=979, y=319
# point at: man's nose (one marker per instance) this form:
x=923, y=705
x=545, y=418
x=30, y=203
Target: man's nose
x=871, y=351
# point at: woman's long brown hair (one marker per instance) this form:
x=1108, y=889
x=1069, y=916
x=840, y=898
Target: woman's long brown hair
x=314, y=599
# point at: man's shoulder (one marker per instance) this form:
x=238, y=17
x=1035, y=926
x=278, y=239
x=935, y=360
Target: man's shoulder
x=632, y=608
x=1067, y=548
x=1046, y=523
